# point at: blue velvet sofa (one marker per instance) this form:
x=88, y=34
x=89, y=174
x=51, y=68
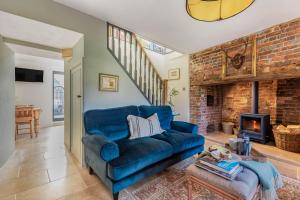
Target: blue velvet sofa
x=121, y=162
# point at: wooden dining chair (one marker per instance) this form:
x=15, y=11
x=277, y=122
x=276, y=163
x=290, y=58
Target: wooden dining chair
x=24, y=116
x=36, y=117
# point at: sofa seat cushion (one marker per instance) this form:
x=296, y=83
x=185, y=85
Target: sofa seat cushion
x=137, y=154
x=179, y=140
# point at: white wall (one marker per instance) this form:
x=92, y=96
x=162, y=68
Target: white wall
x=182, y=101
x=163, y=64
x=38, y=94
x=7, y=103
x=158, y=60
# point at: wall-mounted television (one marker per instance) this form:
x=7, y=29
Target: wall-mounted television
x=29, y=75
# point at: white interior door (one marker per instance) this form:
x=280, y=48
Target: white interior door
x=76, y=112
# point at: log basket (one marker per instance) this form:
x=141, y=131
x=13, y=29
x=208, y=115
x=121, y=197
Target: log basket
x=289, y=141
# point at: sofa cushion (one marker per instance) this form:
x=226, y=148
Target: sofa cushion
x=141, y=127
x=164, y=113
x=137, y=154
x=112, y=123
x=179, y=140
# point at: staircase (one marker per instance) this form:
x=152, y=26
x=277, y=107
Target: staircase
x=130, y=54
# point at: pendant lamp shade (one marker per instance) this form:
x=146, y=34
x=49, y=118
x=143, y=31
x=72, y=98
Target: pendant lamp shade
x=215, y=10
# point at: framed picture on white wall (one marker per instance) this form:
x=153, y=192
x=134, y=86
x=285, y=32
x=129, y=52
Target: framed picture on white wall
x=174, y=74
x=108, y=83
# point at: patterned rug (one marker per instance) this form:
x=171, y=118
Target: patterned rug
x=171, y=185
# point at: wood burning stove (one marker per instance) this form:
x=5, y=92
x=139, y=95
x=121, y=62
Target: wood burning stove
x=253, y=125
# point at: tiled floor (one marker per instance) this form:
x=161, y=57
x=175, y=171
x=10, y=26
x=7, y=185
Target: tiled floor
x=287, y=162
x=41, y=169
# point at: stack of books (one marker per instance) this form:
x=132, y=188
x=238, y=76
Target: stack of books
x=227, y=169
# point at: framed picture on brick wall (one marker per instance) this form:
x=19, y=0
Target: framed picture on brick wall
x=174, y=74
x=108, y=83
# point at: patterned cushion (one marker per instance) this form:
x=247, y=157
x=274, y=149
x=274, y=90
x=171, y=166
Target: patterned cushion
x=141, y=127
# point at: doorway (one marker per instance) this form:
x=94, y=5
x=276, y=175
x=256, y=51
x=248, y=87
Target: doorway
x=48, y=46
x=44, y=94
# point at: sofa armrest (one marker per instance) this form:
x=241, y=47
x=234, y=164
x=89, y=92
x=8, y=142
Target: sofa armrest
x=100, y=145
x=184, y=127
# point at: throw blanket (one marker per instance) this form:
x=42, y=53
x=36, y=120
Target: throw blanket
x=269, y=177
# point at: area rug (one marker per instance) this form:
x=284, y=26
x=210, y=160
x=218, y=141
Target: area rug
x=171, y=185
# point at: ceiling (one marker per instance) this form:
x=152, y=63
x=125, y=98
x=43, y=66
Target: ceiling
x=19, y=49
x=24, y=29
x=167, y=22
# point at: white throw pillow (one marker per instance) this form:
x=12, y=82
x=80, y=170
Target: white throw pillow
x=141, y=127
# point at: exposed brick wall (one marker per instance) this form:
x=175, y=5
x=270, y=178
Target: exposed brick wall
x=268, y=98
x=288, y=101
x=278, y=57
x=207, y=117
x=195, y=104
x=278, y=47
x=237, y=99
x=213, y=114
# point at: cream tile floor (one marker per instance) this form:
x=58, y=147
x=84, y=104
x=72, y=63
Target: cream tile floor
x=42, y=169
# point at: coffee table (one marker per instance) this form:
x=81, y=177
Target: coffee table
x=244, y=187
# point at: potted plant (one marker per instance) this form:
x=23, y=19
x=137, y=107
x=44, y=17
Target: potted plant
x=173, y=92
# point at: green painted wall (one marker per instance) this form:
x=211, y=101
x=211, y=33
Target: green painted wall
x=7, y=102
x=97, y=58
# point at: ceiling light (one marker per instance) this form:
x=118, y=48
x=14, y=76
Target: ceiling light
x=215, y=10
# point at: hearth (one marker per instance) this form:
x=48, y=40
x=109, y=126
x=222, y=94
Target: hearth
x=253, y=125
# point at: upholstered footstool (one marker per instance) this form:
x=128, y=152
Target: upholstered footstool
x=245, y=186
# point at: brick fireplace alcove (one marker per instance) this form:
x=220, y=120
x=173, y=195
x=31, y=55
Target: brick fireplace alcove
x=272, y=59
x=278, y=98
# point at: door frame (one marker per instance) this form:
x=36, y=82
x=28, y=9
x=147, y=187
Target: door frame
x=75, y=68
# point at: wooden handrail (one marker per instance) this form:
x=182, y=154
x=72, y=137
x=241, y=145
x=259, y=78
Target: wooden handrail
x=146, y=55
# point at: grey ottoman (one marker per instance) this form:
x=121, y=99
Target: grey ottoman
x=245, y=186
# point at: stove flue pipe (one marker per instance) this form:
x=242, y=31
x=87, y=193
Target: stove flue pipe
x=255, y=97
